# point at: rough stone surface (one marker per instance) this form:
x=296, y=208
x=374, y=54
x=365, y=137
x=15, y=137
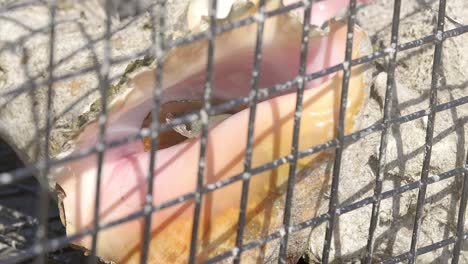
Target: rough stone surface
x=405, y=147
x=78, y=48
x=24, y=44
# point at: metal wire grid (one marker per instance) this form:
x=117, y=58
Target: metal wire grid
x=44, y=245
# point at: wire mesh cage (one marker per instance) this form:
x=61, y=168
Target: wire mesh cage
x=366, y=162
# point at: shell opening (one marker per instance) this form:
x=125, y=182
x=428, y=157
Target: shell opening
x=178, y=134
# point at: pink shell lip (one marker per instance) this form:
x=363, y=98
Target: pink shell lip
x=324, y=10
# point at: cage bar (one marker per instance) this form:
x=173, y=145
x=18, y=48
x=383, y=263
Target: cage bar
x=333, y=203
x=102, y=74
x=43, y=203
x=295, y=140
x=250, y=130
x=461, y=216
x=158, y=43
x=204, y=114
x=384, y=135
x=429, y=130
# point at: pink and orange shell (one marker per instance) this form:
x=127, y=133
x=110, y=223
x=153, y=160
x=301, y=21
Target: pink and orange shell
x=125, y=168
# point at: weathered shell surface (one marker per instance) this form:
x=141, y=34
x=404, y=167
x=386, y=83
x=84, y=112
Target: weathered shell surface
x=24, y=62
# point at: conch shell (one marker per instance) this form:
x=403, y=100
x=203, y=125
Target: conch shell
x=125, y=168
